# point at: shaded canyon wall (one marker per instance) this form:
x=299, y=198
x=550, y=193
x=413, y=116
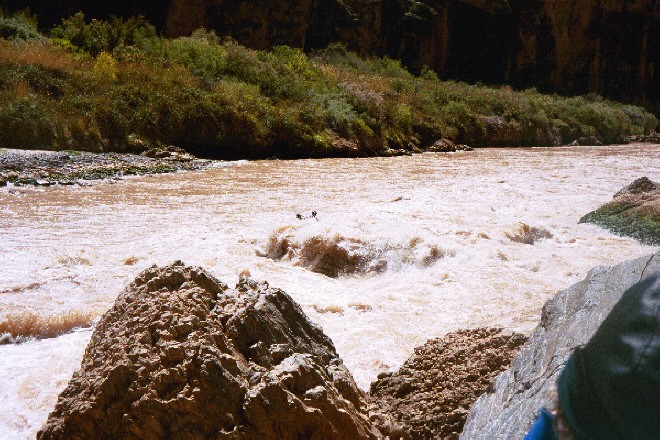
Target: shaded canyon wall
x=570, y=47
x=566, y=46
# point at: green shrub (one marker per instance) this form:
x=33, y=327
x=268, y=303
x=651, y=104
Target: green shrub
x=105, y=67
x=21, y=26
x=404, y=117
x=388, y=68
x=37, y=79
x=428, y=74
x=336, y=54
x=340, y=116
x=116, y=80
x=201, y=53
x=25, y=123
x=103, y=36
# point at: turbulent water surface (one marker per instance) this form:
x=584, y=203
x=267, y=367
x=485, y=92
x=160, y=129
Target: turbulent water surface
x=401, y=249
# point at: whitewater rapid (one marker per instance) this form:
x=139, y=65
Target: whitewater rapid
x=421, y=246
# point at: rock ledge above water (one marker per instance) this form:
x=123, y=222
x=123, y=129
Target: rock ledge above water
x=634, y=212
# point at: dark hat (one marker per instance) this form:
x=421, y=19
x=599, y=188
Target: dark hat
x=610, y=388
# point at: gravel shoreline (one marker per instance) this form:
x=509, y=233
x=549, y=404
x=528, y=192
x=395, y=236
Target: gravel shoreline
x=46, y=168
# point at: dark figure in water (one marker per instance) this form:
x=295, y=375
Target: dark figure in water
x=301, y=217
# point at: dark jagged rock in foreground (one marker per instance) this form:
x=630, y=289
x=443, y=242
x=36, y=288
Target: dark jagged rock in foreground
x=568, y=320
x=180, y=355
x=634, y=212
x=431, y=395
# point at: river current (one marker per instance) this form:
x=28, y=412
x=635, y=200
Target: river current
x=432, y=235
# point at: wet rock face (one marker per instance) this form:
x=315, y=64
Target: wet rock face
x=568, y=320
x=430, y=396
x=180, y=355
x=634, y=212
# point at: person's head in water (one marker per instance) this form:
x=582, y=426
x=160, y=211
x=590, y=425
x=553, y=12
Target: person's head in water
x=610, y=387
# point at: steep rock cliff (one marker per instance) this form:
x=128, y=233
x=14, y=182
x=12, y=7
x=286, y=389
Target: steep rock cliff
x=263, y=24
x=607, y=47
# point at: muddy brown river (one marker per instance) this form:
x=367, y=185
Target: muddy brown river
x=415, y=247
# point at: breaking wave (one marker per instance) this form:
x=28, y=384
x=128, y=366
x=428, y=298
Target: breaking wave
x=337, y=255
x=527, y=234
x=21, y=288
x=20, y=327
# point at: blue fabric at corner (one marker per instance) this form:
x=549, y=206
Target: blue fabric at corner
x=542, y=428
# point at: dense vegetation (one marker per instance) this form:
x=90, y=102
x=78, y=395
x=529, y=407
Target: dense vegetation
x=118, y=86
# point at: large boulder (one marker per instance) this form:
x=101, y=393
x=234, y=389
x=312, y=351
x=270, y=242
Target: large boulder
x=431, y=394
x=181, y=355
x=568, y=320
x=634, y=212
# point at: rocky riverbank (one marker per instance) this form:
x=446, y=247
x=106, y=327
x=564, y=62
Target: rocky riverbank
x=634, y=212
x=181, y=354
x=568, y=320
x=46, y=168
x=431, y=394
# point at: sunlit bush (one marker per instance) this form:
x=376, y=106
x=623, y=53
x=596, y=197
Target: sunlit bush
x=105, y=67
x=98, y=36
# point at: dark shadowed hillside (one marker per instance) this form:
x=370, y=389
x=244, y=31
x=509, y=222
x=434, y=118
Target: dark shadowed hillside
x=571, y=47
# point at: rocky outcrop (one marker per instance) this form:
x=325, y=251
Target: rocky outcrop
x=634, y=212
x=568, y=320
x=430, y=396
x=447, y=146
x=172, y=153
x=181, y=355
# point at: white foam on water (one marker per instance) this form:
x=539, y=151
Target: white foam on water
x=78, y=247
x=33, y=373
